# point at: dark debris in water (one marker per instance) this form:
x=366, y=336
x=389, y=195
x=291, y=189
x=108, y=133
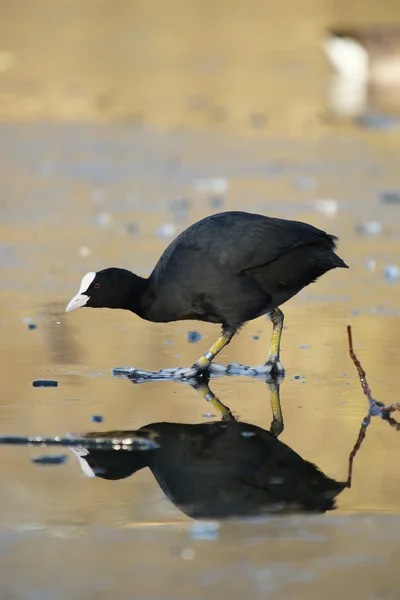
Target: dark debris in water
x=97, y=418
x=378, y=121
x=32, y=326
x=132, y=228
x=390, y=197
x=193, y=337
x=50, y=459
x=179, y=204
x=216, y=201
x=45, y=383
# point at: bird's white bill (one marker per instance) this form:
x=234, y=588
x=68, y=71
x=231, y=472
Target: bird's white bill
x=77, y=302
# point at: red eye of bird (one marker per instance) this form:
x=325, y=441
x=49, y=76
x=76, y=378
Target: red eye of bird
x=96, y=286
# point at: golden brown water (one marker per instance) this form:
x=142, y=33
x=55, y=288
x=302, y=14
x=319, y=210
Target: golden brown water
x=182, y=95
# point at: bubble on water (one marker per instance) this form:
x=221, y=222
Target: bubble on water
x=166, y=230
x=327, y=206
x=188, y=554
x=369, y=228
x=392, y=272
x=58, y=322
x=208, y=415
x=103, y=219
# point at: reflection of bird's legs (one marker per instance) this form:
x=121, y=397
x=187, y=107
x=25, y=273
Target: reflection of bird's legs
x=277, y=417
x=276, y=429
x=203, y=389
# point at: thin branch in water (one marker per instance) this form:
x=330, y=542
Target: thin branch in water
x=372, y=403
x=360, y=370
x=375, y=408
x=357, y=446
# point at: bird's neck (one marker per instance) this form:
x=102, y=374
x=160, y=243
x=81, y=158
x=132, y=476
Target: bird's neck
x=138, y=298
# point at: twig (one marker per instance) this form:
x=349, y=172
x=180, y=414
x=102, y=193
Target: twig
x=371, y=401
x=375, y=408
x=357, y=446
x=361, y=372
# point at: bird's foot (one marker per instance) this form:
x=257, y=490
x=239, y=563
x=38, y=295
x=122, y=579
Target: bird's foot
x=275, y=367
x=183, y=374
x=270, y=370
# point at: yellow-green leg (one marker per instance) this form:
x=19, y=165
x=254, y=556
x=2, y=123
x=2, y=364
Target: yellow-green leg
x=204, y=361
x=275, y=401
x=203, y=389
x=273, y=360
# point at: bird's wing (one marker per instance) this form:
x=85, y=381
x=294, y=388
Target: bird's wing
x=238, y=241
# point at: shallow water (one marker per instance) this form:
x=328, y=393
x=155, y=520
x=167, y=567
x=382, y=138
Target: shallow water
x=77, y=197
x=49, y=217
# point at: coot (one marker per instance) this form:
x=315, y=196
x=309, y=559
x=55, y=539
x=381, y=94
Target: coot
x=228, y=268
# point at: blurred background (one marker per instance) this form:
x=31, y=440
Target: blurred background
x=122, y=122
x=239, y=65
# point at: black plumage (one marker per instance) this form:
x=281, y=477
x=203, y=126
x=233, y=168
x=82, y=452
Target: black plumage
x=228, y=268
x=220, y=469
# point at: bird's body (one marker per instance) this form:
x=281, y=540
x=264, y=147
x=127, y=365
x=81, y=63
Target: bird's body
x=233, y=267
x=228, y=268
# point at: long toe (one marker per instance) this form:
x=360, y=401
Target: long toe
x=261, y=371
x=217, y=370
x=192, y=372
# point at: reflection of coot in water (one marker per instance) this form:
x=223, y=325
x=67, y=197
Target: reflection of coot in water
x=220, y=469
x=228, y=268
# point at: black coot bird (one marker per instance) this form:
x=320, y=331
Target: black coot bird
x=228, y=268
x=218, y=469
